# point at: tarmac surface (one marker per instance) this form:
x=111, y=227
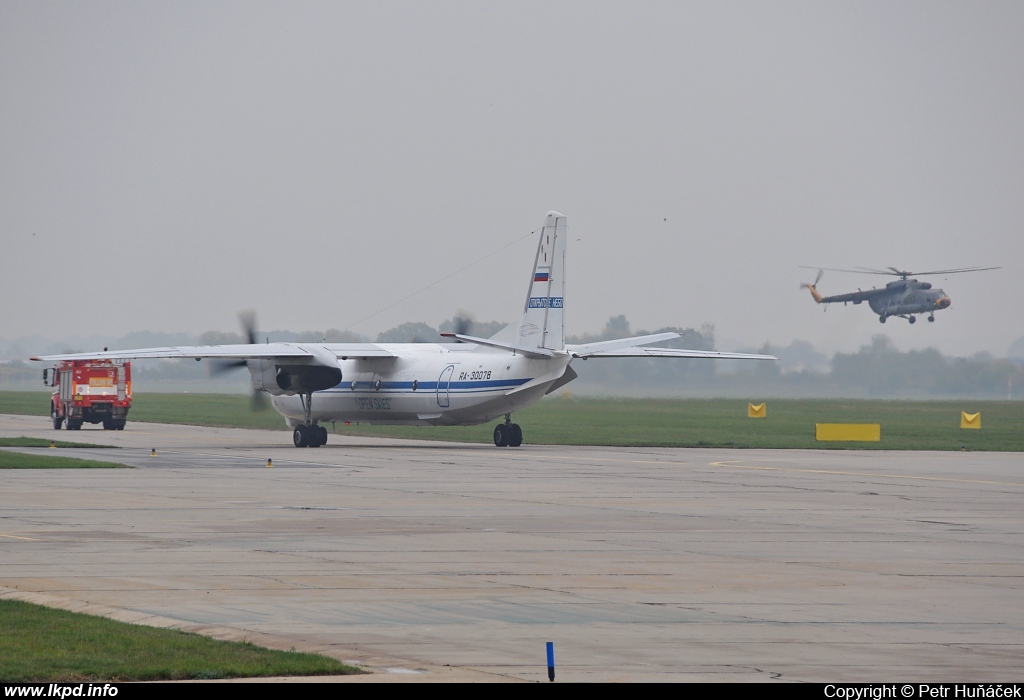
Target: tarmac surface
x=428, y=561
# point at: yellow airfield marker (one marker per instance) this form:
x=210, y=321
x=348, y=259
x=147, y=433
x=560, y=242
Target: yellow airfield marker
x=152, y=452
x=270, y=463
x=970, y=421
x=858, y=432
x=757, y=410
x=53, y=445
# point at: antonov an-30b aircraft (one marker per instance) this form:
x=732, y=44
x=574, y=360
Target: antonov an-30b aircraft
x=467, y=383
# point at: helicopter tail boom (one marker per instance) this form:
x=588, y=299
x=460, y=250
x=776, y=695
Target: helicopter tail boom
x=814, y=292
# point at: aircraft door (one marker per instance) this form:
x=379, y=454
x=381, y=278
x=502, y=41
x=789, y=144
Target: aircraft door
x=443, y=383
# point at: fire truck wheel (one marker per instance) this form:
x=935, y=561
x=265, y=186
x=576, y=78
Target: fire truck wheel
x=56, y=417
x=108, y=424
x=119, y=425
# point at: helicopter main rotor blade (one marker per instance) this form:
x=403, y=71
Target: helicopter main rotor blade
x=856, y=272
x=893, y=272
x=958, y=269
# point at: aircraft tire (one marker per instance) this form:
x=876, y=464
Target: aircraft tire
x=323, y=435
x=501, y=435
x=913, y=319
x=931, y=319
x=881, y=319
x=515, y=435
x=314, y=436
x=300, y=436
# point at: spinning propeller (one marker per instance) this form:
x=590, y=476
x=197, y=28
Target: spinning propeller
x=807, y=285
x=218, y=367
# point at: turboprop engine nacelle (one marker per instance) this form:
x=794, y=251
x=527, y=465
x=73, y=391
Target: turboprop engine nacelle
x=290, y=377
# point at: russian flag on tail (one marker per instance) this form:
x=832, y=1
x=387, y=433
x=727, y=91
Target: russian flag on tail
x=541, y=276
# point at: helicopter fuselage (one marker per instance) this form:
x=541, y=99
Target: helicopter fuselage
x=905, y=297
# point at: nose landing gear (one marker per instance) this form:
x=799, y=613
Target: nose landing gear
x=508, y=434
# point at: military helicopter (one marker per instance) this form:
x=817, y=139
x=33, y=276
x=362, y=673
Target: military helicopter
x=903, y=297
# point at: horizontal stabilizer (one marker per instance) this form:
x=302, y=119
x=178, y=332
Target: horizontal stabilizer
x=588, y=349
x=630, y=347
x=676, y=352
x=529, y=352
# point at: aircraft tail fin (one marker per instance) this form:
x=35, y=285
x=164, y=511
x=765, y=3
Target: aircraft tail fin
x=541, y=325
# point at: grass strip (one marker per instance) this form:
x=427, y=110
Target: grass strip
x=43, y=644
x=569, y=420
x=21, y=460
x=40, y=442
x=790, y=424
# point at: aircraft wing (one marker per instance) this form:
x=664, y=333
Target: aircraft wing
x=266, y=351
x=632, y=347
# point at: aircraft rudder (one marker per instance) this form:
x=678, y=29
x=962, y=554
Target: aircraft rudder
x=541, y=324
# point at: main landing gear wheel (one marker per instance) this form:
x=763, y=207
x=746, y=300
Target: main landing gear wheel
x=881, y=319
x=931, y=319
x=912, y=319
x=508, y=434
x=515, y=438
x=501, y=435
x=309, y=436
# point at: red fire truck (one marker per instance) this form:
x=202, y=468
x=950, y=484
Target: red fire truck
x=90, y=391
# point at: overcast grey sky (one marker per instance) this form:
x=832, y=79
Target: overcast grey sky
x=165, y=165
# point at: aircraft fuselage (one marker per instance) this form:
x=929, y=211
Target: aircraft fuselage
x=430, y=384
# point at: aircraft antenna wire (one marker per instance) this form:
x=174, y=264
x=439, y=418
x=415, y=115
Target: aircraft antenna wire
x=438, y=281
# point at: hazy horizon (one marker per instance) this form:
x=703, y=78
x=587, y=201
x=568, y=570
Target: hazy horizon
x=166, y=165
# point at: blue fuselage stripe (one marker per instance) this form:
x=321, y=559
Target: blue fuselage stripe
x=471, y=387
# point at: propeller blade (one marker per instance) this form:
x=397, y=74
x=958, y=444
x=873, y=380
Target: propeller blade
x=817, y=279
x=219, y=367
x=462, y=321
x=248, y=321
x=259, y=401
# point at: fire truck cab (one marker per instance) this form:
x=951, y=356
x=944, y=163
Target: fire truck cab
x=90, y=391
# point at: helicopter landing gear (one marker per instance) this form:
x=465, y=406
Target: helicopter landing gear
x=912, y=319
x=508, y=434
x=931, y=319
x=881, y=319
x=309, y=434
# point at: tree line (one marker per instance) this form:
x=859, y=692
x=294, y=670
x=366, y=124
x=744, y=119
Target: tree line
x=878, y=369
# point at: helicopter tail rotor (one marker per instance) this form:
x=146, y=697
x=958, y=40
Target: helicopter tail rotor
x=812, y=286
